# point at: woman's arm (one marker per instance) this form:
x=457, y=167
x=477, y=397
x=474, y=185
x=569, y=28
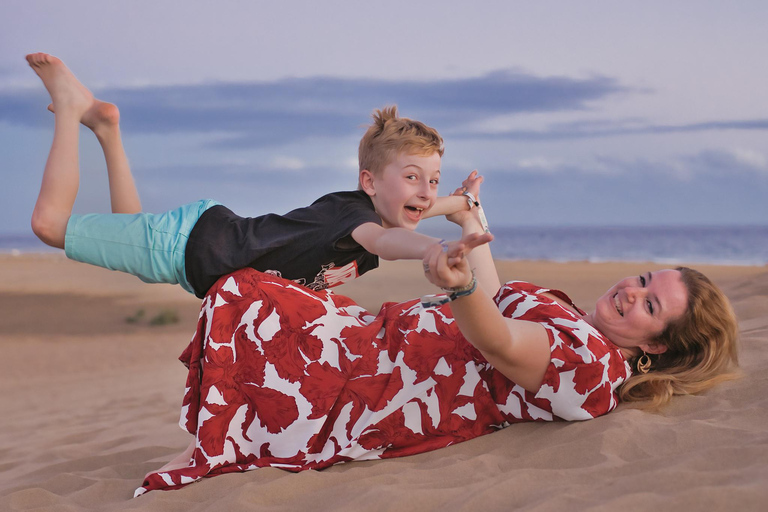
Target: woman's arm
x=480, y=257
x=518, y=349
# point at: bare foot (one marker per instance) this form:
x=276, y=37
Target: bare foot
x=169, y=467
x=101, y=117
x=182, y=460
x=69, y=96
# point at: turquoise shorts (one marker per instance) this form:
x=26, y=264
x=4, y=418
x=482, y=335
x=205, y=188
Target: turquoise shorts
x=147, y=245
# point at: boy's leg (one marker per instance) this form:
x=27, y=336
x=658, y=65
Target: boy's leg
x=61, y=176
x=104, y=121
x=146, y=245
x=122, y=190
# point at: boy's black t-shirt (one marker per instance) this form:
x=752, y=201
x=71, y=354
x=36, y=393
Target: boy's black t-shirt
x=311, y=245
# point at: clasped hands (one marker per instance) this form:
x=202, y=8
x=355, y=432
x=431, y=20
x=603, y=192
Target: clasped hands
x=446, y=265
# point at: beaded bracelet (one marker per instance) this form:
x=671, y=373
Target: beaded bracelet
x=463, y=291
x=429, y=301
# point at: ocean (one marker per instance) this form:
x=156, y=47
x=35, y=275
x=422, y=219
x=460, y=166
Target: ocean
x=669, y=245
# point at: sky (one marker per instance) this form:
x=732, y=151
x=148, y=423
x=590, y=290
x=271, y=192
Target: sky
x=576, y=113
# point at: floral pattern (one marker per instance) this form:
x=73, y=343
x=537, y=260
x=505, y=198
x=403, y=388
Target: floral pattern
x=283, y=376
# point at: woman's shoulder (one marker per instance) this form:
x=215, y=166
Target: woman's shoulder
x=520, y=300
x=586, y=368
x=531, y=288
x=523, y=286
x=516, y=293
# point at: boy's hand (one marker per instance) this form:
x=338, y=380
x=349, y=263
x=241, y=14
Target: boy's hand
x=445, y=263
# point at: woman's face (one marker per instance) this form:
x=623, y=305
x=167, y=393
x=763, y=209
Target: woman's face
x=636, y=310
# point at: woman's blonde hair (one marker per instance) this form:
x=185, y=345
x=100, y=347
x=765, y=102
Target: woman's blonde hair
x=390, y=135
x=702, y=347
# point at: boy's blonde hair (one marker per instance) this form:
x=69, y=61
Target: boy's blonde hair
x=389, y=135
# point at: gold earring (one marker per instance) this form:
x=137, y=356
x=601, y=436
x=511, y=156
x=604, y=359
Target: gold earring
x=644, y=363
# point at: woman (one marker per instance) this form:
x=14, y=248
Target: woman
x=285, y=377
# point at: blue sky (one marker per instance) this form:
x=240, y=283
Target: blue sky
x=577, y=113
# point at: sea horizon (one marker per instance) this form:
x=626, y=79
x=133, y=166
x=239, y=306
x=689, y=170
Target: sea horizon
x=738, y=245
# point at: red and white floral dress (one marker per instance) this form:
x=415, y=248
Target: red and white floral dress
x=286, y=377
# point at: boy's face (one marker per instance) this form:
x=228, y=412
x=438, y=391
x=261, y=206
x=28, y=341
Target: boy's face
x=404, y=190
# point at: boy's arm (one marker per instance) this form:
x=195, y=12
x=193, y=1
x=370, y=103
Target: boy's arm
x=401, y=243
x=448, y=205
x=392, y=243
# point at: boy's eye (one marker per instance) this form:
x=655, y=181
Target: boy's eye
x=434, y=182
x=411, y=177
x=642, y=280
x=650, y=306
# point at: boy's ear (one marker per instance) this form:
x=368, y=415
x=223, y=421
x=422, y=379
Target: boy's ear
x=366, y=182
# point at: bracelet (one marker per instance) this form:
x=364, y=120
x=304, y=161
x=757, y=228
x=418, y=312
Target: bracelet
x=475, y=203
x=471, y=201
x=483, y=220
x=464, y=288
x=472, y=287
x=428, y=301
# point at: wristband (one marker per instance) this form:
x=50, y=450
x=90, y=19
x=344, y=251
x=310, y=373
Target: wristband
x=483, y=220
x=471, y=201
x=469, y=289
x=429, y=301
x=475, y=203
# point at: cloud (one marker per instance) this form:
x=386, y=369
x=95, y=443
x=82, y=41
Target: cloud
x=233, y=172
x=258, y=114
x=641, y=192
x=751, y=158
x=288, y=163
x=246, y=189
x=611, y=128
x=252, y=115
x=729, y=162
x=682, y=168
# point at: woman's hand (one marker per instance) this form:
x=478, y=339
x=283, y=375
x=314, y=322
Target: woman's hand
x=446, y=265
x=518, y=349
x=472, y=184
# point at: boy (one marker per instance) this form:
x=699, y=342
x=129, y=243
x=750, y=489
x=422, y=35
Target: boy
x=339, y=237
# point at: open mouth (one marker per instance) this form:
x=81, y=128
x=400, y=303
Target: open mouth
x=617, y=304
x=414, y=212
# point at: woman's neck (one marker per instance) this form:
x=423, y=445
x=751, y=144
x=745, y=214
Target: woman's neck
x=628, y=353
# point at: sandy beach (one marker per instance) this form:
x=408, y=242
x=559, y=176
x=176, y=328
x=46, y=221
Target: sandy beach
x=91, y=391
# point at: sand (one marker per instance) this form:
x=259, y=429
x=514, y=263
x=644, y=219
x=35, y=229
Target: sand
x=90, y=403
